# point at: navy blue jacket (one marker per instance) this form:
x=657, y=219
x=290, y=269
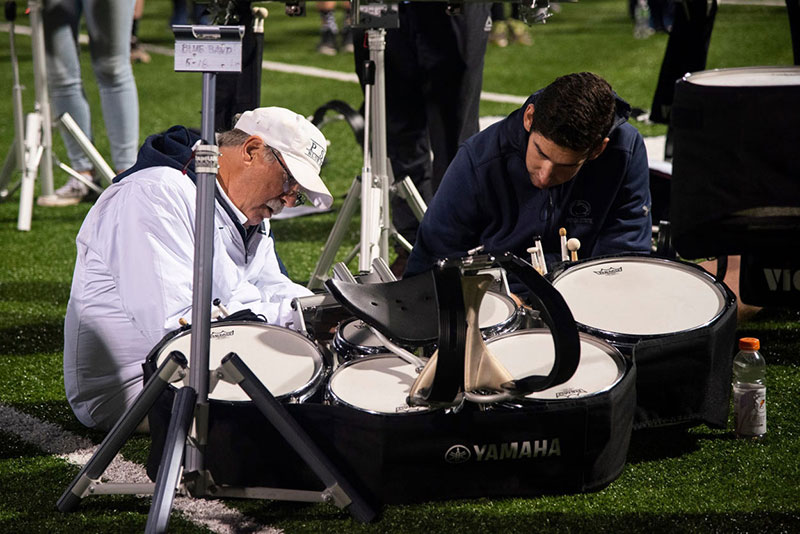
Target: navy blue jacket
x=486, y=198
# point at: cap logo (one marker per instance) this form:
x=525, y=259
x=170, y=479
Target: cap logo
x=316, y=152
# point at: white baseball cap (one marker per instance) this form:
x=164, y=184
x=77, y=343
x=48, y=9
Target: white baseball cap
x=300, y=143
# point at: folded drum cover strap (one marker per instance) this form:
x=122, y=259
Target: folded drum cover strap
x=558, y=317
x=453, y=327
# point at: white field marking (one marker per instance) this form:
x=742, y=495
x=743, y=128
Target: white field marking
x=287, y=68
x=52, y=439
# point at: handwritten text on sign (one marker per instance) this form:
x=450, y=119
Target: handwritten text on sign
x=220, y=56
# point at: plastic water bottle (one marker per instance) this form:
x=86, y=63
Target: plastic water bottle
x=750, y=390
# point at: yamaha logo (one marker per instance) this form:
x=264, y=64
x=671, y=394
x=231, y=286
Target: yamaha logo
x=610, y=271
x=457, y=454
x=510, y=450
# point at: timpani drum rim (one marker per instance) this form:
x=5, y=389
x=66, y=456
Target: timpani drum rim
x=606, y=347
x=510, y=323
x=159, y=353
x=332, y=398
x=347, y=350
x=747, y=77
x=627, y=340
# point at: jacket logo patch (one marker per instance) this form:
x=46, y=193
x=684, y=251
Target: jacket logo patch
x=580, y=208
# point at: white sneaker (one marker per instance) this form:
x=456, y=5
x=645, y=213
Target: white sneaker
x=69, y=194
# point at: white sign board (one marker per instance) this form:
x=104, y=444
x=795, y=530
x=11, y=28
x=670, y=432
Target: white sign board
x=207, y=51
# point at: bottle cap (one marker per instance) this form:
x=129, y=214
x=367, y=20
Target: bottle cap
x=749, y=343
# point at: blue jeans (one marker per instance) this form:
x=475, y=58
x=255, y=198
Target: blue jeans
x=109, y=25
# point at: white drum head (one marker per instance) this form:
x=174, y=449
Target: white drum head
x=747, y=77
x=378, y=384
x=357, y=333
x=283, y=360
x=495, y=309
x=639, y=296
x=531, y=352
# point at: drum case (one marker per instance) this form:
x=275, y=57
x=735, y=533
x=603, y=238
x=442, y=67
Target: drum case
x=686, y=378
x=541, y=447
x=683, y=378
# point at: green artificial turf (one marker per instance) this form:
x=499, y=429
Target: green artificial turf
x=676, y=480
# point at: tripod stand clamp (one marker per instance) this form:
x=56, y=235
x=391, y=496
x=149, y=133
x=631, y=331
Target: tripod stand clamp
x=206, y=159
x=368, y=69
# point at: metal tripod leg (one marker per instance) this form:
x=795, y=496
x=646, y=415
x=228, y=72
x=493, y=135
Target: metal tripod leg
x=71, y=127
x=338, y=489
x=336, y=236
x=169, y=469
x=88, y=478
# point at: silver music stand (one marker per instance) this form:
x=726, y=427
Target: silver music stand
x=374, y=186
x=206, y=49
x=32, y=148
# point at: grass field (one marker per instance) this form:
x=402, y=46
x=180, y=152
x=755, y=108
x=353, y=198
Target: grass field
x=696, y=480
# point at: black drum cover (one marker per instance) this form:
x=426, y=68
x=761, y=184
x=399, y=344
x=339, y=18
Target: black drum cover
x=735, y=148
x=544, y=447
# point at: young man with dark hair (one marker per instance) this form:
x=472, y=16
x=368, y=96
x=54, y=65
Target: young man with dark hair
x=567, y=158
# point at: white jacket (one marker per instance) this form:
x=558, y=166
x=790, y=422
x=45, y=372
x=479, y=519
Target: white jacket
x=133, y=282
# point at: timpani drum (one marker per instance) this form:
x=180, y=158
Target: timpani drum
x=732, y=169
x=531, y=352
x=498, y=315
x=627, y=299
x=377, y=384
x=287, y=363
x=674, y=319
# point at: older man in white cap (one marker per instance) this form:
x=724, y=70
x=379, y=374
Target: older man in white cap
x=133, y=274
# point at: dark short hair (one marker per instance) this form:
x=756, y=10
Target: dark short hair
x=576, y=111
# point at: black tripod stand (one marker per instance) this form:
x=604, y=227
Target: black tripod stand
x=191, y=402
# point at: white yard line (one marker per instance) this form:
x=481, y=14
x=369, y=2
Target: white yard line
x=52, y=439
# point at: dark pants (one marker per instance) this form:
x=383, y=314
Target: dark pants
x=687, y=50
x=237, y=92
x=433, y=68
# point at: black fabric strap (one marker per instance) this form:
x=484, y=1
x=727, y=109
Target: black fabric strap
x=449, y=377
x=557, y=315
x=448, y=380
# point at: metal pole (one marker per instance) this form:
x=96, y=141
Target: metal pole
x=42, y=95
x=201, y=295
x=377, y=46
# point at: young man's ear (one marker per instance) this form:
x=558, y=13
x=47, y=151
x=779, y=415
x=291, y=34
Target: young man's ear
x=599, y=150
x=527, y=117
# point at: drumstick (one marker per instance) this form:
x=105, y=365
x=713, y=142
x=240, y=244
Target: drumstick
x=223, y=311
x=534, y=252
x=562, y=232
x=540, y=250
x=573, y=244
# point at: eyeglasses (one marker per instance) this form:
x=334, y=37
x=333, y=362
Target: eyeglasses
x=289, y=182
